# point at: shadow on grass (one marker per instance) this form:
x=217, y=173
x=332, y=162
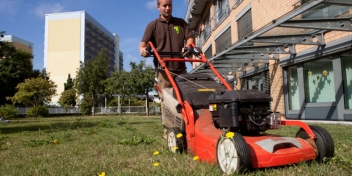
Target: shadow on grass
x=50, y=127
x=45, y=127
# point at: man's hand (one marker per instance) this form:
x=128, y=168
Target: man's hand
x=185, y=52
x=144, y=52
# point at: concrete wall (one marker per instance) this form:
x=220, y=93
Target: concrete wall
x=64, y=51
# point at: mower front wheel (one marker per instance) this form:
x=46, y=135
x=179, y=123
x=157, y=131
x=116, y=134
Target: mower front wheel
x=233, y=154
x=175, y=140
x=323, y=141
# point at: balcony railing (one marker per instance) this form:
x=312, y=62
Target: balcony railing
x=99, y=43
x=101, y=36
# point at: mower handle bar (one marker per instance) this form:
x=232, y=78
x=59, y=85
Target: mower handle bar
x=190, y=48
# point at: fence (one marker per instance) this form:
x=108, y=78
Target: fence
x=52, y=110
x=98, y=110
x=127, y=110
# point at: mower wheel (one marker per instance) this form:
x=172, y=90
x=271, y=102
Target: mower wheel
x=176, y=140
x=324, y=142
x=233, y=154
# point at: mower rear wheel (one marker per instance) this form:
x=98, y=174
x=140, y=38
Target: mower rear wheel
x=324, y=142
x=233, y=154
x=176, y=140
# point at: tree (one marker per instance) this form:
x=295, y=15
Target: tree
x=91, y=76
x=69, y=83
x=139, y=81
x=142, y=77
x=68, y=98
x=119, y=83
x=15, y=67
x=34, y=92
x=69, y=95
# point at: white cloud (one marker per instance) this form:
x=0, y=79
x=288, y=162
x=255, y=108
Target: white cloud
x=151, y=5
x=131, y=58
x=149, y=62
x=43, y=9
x=130, y=45
x=9, y=7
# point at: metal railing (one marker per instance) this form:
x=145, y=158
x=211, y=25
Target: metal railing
x=127, y=110
x=52, y=110
x=98, y=110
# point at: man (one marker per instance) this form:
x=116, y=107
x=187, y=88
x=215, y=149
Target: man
x=168, y=34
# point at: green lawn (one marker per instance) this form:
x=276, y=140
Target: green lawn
x=125, y=145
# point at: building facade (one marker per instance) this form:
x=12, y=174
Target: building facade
x=74, y=37
x=18, y=43
x=299, y=52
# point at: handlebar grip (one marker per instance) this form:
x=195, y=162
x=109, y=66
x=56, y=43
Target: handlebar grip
x=149, y=49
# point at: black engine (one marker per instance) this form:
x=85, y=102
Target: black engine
x=246, y=111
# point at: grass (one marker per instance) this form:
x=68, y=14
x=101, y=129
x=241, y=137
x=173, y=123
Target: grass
x=125, y=145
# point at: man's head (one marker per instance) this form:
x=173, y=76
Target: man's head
x=165, y=8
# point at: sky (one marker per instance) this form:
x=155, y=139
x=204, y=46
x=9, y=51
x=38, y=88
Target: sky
x=25, y=19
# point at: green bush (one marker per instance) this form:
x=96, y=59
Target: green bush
x=86, y=106
x=38, y=111
x=8, y=111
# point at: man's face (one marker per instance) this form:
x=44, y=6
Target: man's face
x=165, y=8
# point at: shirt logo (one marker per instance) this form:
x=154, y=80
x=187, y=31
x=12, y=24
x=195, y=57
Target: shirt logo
x=176, y=29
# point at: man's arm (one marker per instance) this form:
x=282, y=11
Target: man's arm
x=189, y=41
x=143, y=49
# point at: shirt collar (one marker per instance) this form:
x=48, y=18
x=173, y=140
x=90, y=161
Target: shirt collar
x=162, y=20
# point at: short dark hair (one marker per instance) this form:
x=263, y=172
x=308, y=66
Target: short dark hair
x=157, y=2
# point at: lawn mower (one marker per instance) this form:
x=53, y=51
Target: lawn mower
x=226, y=127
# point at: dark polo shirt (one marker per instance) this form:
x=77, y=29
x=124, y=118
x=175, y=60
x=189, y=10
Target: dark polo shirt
x=168, y=37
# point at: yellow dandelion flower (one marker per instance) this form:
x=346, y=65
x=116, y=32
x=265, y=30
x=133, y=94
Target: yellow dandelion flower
x=156, y=153
x=230, y=134
x=102, y=174
x=195, y=158
x=325, y=72
x=56, y=141
x=179, y=135
x=310, y=73
x=175, y=148
x=156, y=164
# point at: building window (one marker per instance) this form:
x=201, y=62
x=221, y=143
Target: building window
x=207, y=27
x=244, y=25
x=199, y=41
x=293, y=89
x=208, y=53
x=224, y=41
x=222, y=11
x=255, y=82
x=237, y=3
x=319, y=81
x=347, y=77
